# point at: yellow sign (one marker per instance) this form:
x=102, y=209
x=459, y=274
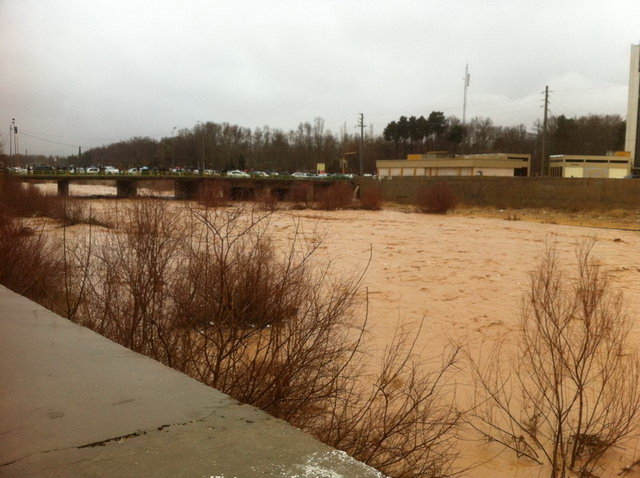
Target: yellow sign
x=320, y=168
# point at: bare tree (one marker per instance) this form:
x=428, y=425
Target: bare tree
x=206, y=291
x=572, y=391
x=401, y=424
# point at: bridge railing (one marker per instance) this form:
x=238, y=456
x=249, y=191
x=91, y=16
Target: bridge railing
x=168, y=174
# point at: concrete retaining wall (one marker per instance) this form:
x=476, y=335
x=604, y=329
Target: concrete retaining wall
x=519, y=192
x=74, y=404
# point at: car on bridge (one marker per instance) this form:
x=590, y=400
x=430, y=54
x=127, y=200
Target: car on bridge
x=235, y=173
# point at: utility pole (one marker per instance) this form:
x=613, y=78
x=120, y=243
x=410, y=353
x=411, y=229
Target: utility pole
x=466, y=79
x=11, y=139
x=361, y=125
x=15, y=137
x=543, y=160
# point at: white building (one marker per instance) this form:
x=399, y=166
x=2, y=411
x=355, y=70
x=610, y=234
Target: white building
x=443, y=164
x=585, y=166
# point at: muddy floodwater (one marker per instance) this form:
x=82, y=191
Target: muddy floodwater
x=465, y=278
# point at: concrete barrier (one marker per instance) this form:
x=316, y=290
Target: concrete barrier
x=74, y=404
x=519, y=192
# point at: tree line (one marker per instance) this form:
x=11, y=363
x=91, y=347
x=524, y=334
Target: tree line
x=224, y=146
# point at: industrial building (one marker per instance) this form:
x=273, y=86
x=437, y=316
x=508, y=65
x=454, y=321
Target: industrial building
x=441, y=163
x=617, y=165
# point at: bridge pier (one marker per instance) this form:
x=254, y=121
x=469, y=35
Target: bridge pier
x=63, y=187
x=126, y=188
x=187, y=189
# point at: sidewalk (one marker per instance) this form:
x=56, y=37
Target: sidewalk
x=74, y=404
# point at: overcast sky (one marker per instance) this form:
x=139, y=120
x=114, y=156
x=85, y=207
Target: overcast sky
x=88, y=72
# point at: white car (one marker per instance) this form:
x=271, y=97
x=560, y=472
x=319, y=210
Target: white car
x=111, y=170
x=92, y=170
x=237, y=174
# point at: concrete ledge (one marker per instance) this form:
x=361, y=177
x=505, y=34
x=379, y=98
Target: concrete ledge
x=75, y=404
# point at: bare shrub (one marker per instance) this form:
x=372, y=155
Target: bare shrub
x=371, y=198
x=214, y=193
x=436, y=199
x=403, y=426
x=336, y=196
x=127, y=289
x=26, y=200
x=210, y=295
x=301, y=195
x=73, y=211
x=270, y=332
x=29, y=201
x=573, y=391
x=30, y=263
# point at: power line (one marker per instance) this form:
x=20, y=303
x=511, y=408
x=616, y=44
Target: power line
x=564, y=108
x=49, y=141
x=591, y=88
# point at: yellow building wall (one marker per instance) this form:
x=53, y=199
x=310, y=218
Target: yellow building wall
x=445, y=171
x=572, y=172
x=618, y=173
x=493, y=172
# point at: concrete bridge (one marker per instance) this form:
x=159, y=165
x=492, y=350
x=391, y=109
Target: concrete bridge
x=189, y=187
x=74, y=404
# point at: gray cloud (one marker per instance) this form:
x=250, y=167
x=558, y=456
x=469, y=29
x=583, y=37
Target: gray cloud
x=90, y=73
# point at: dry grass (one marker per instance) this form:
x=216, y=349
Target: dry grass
x=614, y=219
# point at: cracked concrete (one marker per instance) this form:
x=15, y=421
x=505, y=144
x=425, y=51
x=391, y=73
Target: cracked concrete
x=73, y=403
